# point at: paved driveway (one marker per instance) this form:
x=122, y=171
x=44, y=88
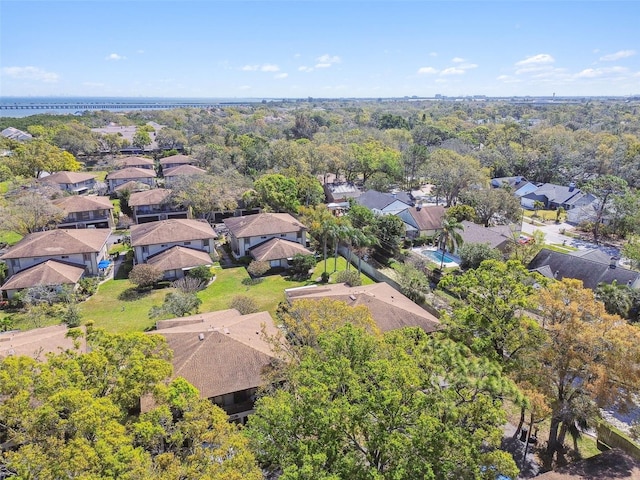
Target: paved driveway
x=552, y=235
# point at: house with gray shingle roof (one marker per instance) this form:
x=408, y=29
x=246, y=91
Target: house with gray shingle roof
x=85, y=212
x=341, y=192
x=251, y=230
x=500, y=237
x=223, y=354
x=591, y=272
x=175, y=161
x=384, y=203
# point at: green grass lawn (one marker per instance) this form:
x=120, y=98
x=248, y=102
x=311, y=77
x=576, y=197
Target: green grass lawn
x=112, y=309
x=10, y=238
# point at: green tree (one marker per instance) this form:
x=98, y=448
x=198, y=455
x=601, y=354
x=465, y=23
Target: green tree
x=389, y=231
x=453, y=173
x=301, y=265
x=309, y=190
x=177, y=304
x=33, y=158
x=621, y=300
x=320, y=222
x=473, y=254
x=277, y=193
x=144, y=275
x=448, y=237
x=28, y=213
x=605, y=188
x=141, y=138
x=361, y=406
x=169, y=139
x=258, y=269
x=493, y=205
x=414, y=284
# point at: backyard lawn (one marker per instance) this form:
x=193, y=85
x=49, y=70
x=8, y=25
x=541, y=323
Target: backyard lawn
x=116, y=307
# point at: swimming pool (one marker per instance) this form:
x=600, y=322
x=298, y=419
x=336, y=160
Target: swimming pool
x=437, y=256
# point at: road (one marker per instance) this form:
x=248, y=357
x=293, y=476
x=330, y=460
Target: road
x=552, y=235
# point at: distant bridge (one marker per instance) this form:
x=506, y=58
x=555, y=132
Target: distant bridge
x=114, y=105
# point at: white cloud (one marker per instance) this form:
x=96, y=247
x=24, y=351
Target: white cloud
x=457, y=60
x=326, y=58
x=115, y=57
x=297, y=55
x=305, y=69
x=618, y=55
x=281, y=75
x=427, y=71
x=433, y=54
x=467, y=66
x=140, y=52
x=452, y=71
x=540, y=59
x=323, y=65
x=267, y=67
x=30, y=73
x=601, y=72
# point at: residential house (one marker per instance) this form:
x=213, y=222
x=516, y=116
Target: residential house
x=341, y=192
x=583, y=208
x=592, y=270
x=132, y=186
x=177, y=260
x=15, y=134
x=48, y=273
x=136, y=162
x=552, y=196
x=130, y=174
x=175, y=161
x=500, y=237
x=127, y=132
x=223, y=354
x=384, y=203
x=278, y=252
x=153, y=238
x=85, y=212
x=252, y=230
x=389, y=308
x=85, y=249
x=75, y=182
x=155, y=205
x=422, y=221
x=38, y=342
x=519, y=185
x=172, y=175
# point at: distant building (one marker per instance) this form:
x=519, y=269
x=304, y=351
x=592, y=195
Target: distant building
x=15, y=134
x=85, y=212
x=130, y=174
x=252, y=230
x=74, y=182
x=155, y=205
x=384, y=203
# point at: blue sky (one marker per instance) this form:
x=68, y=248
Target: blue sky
x=318, y=48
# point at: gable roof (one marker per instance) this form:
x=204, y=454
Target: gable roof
x=179, y=258
x=15, y=134
x=427, y=218
x=262, y=224
x=172, y=230
x=277, y=249
x=132, y=186
x=592, y=273
x=496, y=236
x=373, y=199
x=592, y=254
x=612, y=464
x=78, y=203
x=176, y=159
x=222, y=352
x=131, y=172
x=389, y=308
x=38, y=342
x=50, y=272
x=59, y=242
x=183, y=170
x=555, y=193
x=134, y=161
x=67, y=177
x=155, y=196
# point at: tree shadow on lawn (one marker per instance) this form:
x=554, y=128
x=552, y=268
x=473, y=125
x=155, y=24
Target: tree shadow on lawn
x=133, y=294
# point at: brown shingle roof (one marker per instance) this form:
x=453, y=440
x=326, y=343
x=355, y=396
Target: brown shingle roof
x=277, y=249
x=177, y=258
x=389, y=308
x=132, y=186
x=131, y=172
x=59, y=242
x=428, y=218
x=225, y=352
x=154, y=196
x=50, y=272
x=68, y=177
x=172, y=230
x=176, y=159
x=133, y=162
x=77, y=203
x=263, y=224
x=38, y=342
x=183, y=171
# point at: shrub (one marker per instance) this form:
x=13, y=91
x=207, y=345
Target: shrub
x=244, y=304
x=145, y=276
x=473, y=254
x=202, y=273
x=71, y=316
x=258, y=269
x=88, y=286
x=350, y=277
x=176, y=304
x=188, y=284
x=324, y=278
x=302, y=264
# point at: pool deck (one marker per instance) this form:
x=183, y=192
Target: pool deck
x=446, y=264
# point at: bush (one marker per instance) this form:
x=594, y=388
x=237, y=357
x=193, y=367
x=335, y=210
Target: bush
x=473, y=254
x=202, y=273
x=145, y=276
x=88, y=286
x=244, y=304
x=302, y=264
x=71, y=316
x=350, y=277
x=188, y=284
x=258, y=269
x=176, y=304
x=324, y=278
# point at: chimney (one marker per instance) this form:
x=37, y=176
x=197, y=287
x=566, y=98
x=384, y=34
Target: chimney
x=613, y=263
x=572, y=186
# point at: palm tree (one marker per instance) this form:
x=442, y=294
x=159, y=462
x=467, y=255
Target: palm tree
x=448, y=237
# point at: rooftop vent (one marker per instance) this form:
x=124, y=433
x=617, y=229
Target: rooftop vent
x=572, y=186
x=613, y=262
x=201, y=337
x=352, y=297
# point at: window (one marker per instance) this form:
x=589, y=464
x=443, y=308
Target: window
x=64, y=256
x=86, y=257
x=263, y=237
x=187, y=243
x=283, y=234
x=247, y=241
x=145, y=249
